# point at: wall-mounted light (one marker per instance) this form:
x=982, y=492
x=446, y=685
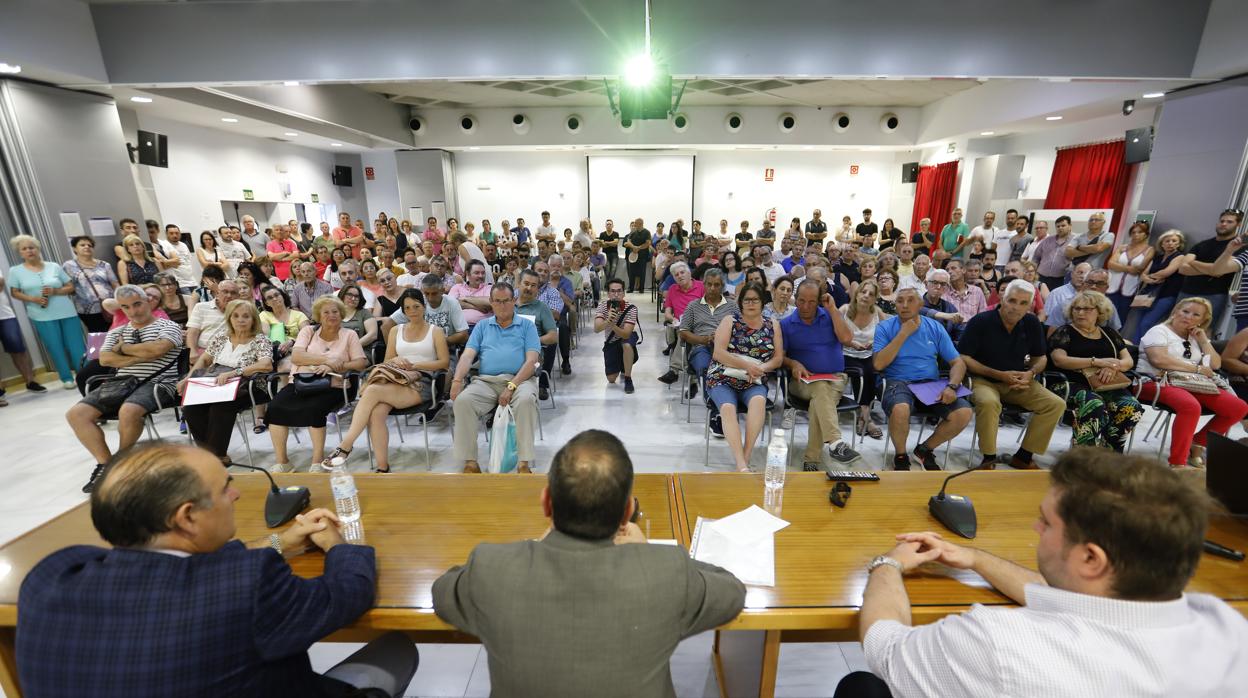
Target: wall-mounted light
x=7, y=69
x=229, y=120
x=141, y=100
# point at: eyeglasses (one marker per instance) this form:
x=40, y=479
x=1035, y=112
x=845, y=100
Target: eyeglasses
x=839, y=494
x=751, y=300
x=1098, y=284
x=1187, y=349
x=1082, y=307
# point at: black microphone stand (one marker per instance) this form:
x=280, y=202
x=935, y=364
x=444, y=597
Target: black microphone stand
x=282, y=504
x=955, y=511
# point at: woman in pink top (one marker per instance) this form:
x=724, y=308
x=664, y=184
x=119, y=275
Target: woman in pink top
x=324, y=350
x=434, y=234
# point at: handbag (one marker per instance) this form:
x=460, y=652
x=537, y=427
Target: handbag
x=309, y=384
x=391, y=373
x=1093, y=375
x=1192, y=382
x=1145, y=297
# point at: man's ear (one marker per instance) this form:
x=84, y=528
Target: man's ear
x=1091, y=563
x=547, y=510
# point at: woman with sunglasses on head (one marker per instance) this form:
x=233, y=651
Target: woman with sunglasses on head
x=357, y=318
x=136, y=265
x=171, y=301
x=1169, y=353
x=94, y=282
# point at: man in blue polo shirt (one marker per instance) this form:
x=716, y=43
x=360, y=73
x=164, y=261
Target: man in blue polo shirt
x=509, y=353
x=813, y=338
x=906, y=349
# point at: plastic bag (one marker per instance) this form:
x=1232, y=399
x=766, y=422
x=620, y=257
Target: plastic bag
x=503, y=456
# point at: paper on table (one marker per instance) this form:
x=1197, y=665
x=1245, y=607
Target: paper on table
x=752, y=563
x=663, y=541
x=203, y=391
x=928, y=392
x=750, y=524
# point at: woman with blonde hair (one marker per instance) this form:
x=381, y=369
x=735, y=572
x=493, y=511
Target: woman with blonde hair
x=864, y=314
x=45, y=289
x=1180, y=363
x=136, y=266
x=1159, y=286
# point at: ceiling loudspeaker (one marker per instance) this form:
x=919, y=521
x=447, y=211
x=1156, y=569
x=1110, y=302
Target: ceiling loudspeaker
x=680, y=123
x=520, y=123
x=417, y=125
x=573, y=123
x=467, y=123
x=787, y=122
x=627, y=125
x=840, y=122
x=889, y=122
x=733, y=122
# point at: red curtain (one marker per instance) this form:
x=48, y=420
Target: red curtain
x=934, y=195
x=1091, y=176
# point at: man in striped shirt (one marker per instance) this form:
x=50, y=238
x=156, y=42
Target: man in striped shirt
x=1119, y=539
x=146, y=348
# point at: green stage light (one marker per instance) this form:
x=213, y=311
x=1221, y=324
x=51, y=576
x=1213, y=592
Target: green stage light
x=639, y=71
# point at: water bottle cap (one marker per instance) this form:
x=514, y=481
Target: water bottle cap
x=777, y=432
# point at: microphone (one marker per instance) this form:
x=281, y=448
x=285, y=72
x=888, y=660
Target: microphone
x=283, y=504
x=955, y=511
x=1222, y=551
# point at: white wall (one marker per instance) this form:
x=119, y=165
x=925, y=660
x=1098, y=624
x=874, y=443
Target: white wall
x=207, y=166
x=498, y=185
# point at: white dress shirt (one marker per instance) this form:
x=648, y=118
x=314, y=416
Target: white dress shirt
x=1068, y=644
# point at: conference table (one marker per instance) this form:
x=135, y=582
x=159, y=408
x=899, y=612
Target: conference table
x=422, y=524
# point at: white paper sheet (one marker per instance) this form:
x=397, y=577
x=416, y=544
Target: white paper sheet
x=204, y=391
x=663, y=541
x=752, y=563
x=749, y=524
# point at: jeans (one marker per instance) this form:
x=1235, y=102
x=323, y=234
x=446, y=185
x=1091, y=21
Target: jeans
x=1122, y=303
x=699, y=360
x=63, y=341
x=612, y=261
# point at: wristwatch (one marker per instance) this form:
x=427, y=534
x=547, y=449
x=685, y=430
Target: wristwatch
x=275, y=542
x=884, y=560
x=511, y=386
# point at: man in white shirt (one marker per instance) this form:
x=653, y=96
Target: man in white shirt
x=208, y=318
x=180, y=261
x=765, y=261
x=1041, y=230
x=1120, y=538
x=545, y=231
x=231, y=250
x=989, y=232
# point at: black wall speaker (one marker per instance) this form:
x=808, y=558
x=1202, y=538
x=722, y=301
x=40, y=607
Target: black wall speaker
x=1139, y=144
x=910, y=173
x=341, y=176
x=153, y=149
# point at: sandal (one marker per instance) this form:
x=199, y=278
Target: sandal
x=259, y=429
x=379, y=471
x=339, y=453
x=866, y=427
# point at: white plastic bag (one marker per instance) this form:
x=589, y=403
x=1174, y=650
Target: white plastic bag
x=503, y=456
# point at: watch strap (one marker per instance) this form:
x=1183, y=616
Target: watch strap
x=275, y=542
x=882, y=560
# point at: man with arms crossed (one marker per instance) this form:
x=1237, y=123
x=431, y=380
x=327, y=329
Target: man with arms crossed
x=601, y=611
x=1120, y=538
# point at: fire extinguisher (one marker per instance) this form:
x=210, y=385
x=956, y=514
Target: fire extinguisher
x=771, y=215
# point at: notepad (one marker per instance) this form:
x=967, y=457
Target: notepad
x=205, y=391
x=928, y=392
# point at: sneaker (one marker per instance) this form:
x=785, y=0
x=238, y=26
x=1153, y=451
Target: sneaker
x=628, y=385
x=36, y=388
x=669, y=377
x=790, y=417
x=96, y=476
x=927, y=457
x=811, y=467
x=717, y=427
x=278, y=468
x=182, y=427
x=842, y=453
x=901, y=462
x=68, y=385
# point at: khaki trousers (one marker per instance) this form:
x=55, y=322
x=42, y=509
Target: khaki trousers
x=1046, y=407
x=824, y=396
x=480, y=398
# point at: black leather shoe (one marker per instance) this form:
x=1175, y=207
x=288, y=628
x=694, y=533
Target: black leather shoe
x=668, y=378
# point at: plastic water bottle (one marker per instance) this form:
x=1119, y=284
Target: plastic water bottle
x=777, y=461
x=346, y=497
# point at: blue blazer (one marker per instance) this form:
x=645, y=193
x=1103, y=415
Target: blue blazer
x=129, y=622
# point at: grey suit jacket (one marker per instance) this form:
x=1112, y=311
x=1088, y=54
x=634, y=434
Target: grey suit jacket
x=571, y=617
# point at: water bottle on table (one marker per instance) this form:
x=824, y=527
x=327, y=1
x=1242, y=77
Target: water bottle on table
x=777, y=461
x=346, y=497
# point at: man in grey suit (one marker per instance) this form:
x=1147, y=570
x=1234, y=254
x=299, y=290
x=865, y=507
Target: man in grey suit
x=580, y=612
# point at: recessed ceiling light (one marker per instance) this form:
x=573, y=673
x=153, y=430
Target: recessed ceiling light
x=141, y=100
x=987, y=133
x=229, y=120
x=1154, y=95
x=808, y=147
x=336, y=145
x=1052, y=118
x=291, y=83
x=474, y=147
x=291, y=134
x=7, y=69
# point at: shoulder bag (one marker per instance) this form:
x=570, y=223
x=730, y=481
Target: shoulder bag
x=1193, y=382
x=112, y=393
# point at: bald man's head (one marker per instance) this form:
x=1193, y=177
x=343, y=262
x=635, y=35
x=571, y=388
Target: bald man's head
x=590, y=483
x=143, y=487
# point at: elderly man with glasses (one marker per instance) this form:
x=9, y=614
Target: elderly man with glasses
x=509, y=349
x=207, y=319
x=1082, y=278
x=934, y=304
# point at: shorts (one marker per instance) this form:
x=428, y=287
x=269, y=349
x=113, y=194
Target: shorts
x=11, y=336
x=144, y=396
x=898, y=393
x=721, y=395
x=613, y=354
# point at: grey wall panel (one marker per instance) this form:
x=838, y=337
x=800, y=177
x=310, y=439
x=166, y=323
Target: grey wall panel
x=354, y=199
x=53, y=40
x=396, y=39
x=422, y=180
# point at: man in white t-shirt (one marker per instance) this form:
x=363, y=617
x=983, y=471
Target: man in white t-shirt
x=14, y=344
x=989, y=232
x=231, y=250
x=545, y=231
x=180, y=262
x=208, y=318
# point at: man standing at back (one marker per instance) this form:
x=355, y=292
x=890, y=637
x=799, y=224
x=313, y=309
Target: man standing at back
x=601, y=611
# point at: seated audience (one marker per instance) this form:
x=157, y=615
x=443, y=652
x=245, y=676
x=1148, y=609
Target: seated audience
x=1100, y=593
x=530, y=306
x=307, y=288
x=781, y=305
x=697, y=329
x=388, y=299
x=356, y=318
x=814, y=336
x=969, y=299
x=935, y=305
x=618, y=319
x=747, y=347
x=863, y=314
x=1089, y=280
x=1169, y=353
x=508, y=348
x=1235, y=363
x=244, y=620
x=1005, y=350
x=414, y=352
x=283, y=321
x=136, y=264
x=207, y=318
x=1093, y=358
x=677, y=297
x=597, y=617
x=241, y=351
x=473, y=294
x=171, y=300
x=324, y=349
x=144, y=351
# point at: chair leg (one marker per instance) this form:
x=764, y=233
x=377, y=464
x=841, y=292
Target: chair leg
x=428, y=458
x=251, y=459
x=706, y=437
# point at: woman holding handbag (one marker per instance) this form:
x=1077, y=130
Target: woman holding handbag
x=321, y=355
x=240, y=352
x=1159, y=288
x=1180, y=363
x=414, y=351
x=1126, y=264
x=1093, y=358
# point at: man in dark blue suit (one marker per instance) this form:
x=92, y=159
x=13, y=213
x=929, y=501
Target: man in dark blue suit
x=177, y=607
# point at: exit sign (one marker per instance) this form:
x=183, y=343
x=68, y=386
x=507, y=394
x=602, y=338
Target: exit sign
x=249, y=195
x=316, y=199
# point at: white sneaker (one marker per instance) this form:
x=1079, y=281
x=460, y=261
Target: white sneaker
x=790, y=417
x=281, y=468
x=69, y=385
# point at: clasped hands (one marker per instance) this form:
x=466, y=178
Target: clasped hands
x=317, y=528
x=914, y=549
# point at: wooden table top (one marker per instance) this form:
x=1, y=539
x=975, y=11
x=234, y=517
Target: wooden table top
x=421, y=524
x=821, y=556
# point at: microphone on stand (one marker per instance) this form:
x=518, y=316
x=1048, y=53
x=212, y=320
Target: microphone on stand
x=955, y=511
x=282, y=504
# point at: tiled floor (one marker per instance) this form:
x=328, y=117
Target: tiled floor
x=46, y=467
